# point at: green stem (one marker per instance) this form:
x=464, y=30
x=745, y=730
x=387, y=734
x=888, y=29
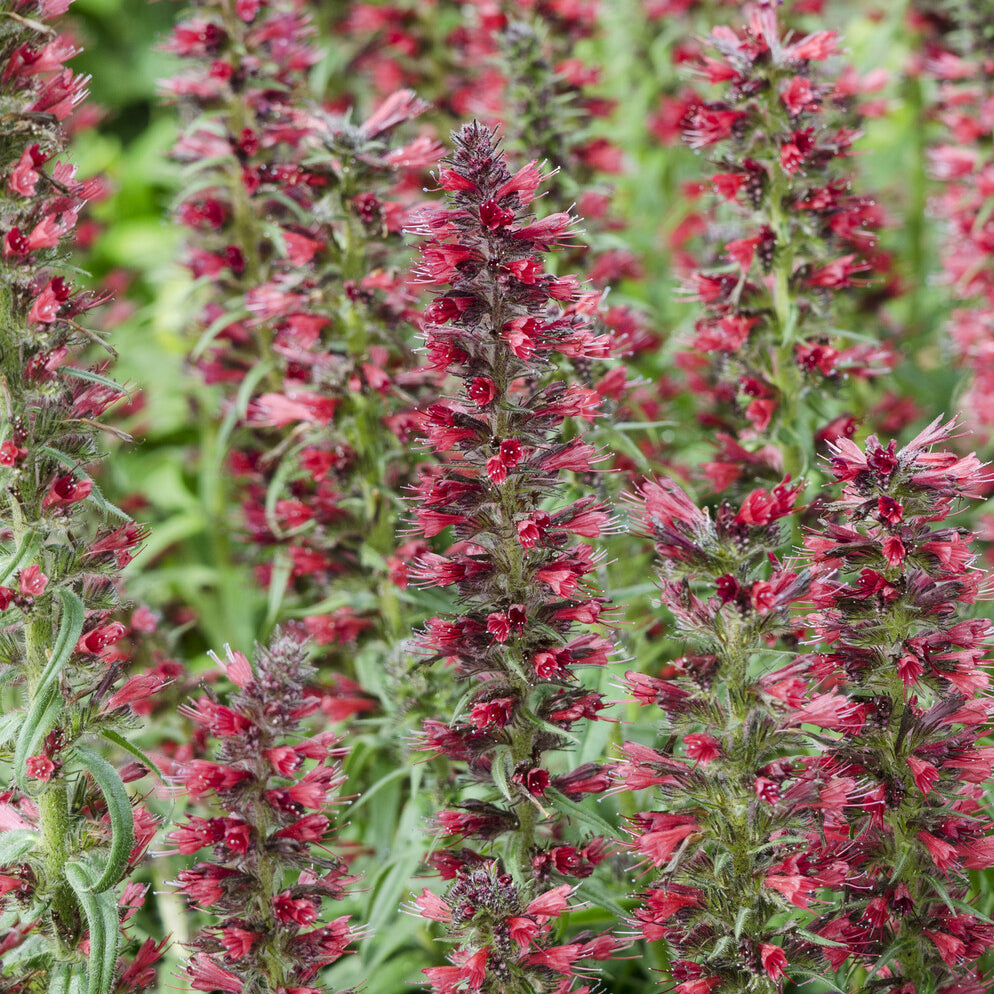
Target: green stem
x=54, y=819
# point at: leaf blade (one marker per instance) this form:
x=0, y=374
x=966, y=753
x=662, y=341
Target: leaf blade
x=118, y=808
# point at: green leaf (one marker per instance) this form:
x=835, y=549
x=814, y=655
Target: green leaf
x=118, y=807
x=639, y=425
x=100, y=911
x=720, y=947
x=954, y=904
x=119, y=740
x=360, y=600
x=278, y=488
x=501, y=762
x=630, y=449
x=401, y=771
x=597, y=894
x=546, y=726
x=89, y=375
x=720, y=862
x=40, y=716
x=21, y=556
x=16, y=844
x=462, y=702
x=9, y=724
x=585, y=817
x=818, y=940
x=740, y=920
x=888, y=955
x=215, y=328
x=238, y=410
x=799, y=971
x=97, y=497
x=785, y=840
x=59, y=978
x=279, y=580
x=30, y=737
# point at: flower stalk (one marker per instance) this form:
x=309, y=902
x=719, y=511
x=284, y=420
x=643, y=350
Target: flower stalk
x=521, y=634
x=271, y=868
x=778, y=133
x=727, y=891
x=72, y=832
x=294, y=221
x=901, y=653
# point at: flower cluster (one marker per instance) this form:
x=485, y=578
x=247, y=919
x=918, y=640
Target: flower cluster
x=963, y=161
x=294, y=215
x=270, y=871
x=901, y=658
x=498, y=327
x=509, y=936
x=517, y=69
x=71, y=830
x=738, y=817
x=551, y=110
x=777, y=134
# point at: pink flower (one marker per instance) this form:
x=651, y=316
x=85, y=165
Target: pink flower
x=140, y=687
x=773, y=959
x=97, y=639
x=924, y=774
x=238, y=941
x=662, y=835
x=430, y=905
x=702, y=748
x=310, y=828
x=302, y=910
x=943, y=854
x=40, y=768
x=31, y=581
x=206, y=975
x=24, y=176
x=793, y=887
x=702, y=985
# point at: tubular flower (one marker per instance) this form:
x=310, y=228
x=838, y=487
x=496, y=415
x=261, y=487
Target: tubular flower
x=898, y=644
x=779, y=132
x=270, y=868
x=520, y=573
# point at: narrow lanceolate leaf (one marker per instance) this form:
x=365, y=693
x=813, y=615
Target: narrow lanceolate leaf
x=59, y=978
x=119, y=808
x=67, y=978
x=499, y=765
x=38, y=722
x=100, y=911
x=10, y=723
x=584, y=816
x=45, y=703
x=20, y=557
x=16, y=844
x=129, y=747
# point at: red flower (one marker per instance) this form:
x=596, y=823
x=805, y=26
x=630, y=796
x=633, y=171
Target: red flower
x=40, y=768
x=238, y=941
x=301, y=910
x=206, y=975
x=31, y=581
x=773, y=959
x=924, y=774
